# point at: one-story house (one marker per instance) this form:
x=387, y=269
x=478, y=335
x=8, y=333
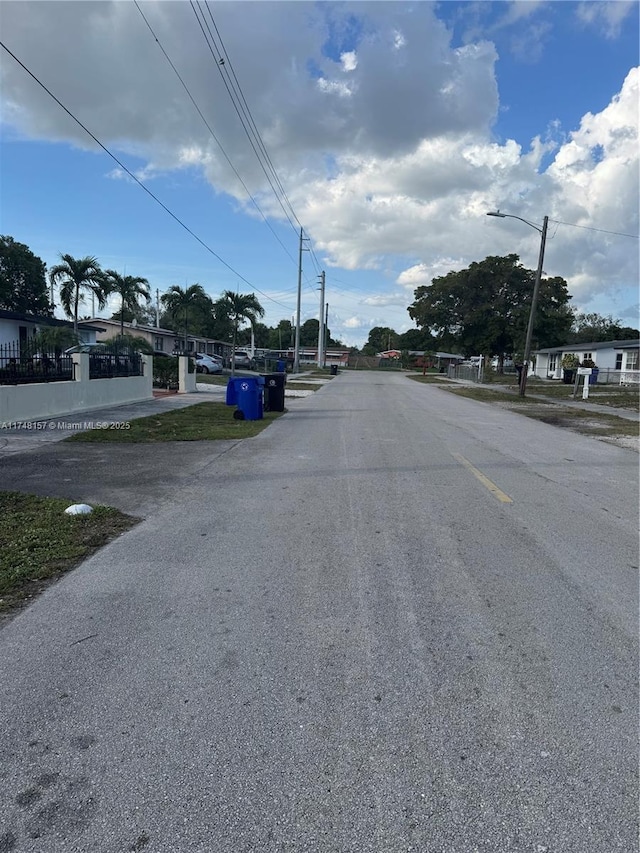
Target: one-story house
x=16, y=329
x=616, y=360
x=441, y=360
x=162, y=340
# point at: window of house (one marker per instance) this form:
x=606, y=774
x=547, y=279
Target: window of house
x=632, y=359
x=618, y=361
x=553, y=363
x=587, y=355
x=159, y=344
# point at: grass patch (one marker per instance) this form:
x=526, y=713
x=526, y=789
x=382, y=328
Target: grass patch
x=200, y=422
x=607, y=395
x=487, y=395
x=297, y=385
x=587, y=423
x=38, y=542
x=430, y=378
x=621, y=400
x=584, y=421
x=212, y=379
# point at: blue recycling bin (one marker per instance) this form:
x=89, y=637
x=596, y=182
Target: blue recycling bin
x=246, y=393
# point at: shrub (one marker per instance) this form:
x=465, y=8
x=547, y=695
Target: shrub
x=165, y=371
x=570, y=361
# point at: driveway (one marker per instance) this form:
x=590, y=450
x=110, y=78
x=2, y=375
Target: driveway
x=134, y=478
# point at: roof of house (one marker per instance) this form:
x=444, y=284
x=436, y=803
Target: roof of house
x=42, y=320
x=133, y=326
x=155, y=330
x=589, y=346
x=437, y=354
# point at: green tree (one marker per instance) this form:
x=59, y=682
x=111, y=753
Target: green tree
x=129, y=288
x=309, y=333
x=381, y=339
x=485, y=309
x=238, y=308
x=333, y=342
x=53, y=339
x=416, y=339
x=282, y=336
x=75, y=275
x=593, y=328
x=23, y=284
x=143, y=315
x=182, y=303
x=261, y=335
x=135, y=343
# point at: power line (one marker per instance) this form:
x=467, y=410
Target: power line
x=234, y=89
x=131, y=175
x=249, y=114
x=601, y=230
x=220, y=66
x=210, y=129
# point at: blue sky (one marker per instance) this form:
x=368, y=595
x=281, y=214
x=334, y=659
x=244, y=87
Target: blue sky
x=393, y=128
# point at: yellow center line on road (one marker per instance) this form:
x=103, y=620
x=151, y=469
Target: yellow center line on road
x=486, y=482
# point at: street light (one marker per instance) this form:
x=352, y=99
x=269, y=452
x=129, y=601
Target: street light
x=536, y=290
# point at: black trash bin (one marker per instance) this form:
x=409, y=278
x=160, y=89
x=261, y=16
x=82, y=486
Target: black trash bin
x=334, y=369
x=274, y=391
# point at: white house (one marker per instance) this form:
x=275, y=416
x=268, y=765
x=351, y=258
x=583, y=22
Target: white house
x=16, y=329
x=617, y=361
x=162, y=340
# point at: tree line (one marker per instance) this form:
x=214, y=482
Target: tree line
x=484, y=310
x=188, y=310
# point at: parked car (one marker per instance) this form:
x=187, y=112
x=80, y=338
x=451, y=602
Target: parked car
x=243, y=359
x=207, y=364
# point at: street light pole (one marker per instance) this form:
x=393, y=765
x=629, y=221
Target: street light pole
x=534, y=298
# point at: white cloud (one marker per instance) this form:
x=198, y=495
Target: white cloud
x=354, y=323
x=606, y=17
x=387, y=153
x=349, y=60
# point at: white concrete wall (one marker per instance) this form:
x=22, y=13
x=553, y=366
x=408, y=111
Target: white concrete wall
x=186, y=380
x=49, y=399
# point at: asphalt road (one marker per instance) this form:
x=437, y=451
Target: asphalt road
x=395, y=621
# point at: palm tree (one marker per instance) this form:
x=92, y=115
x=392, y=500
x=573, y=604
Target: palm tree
x=178, y=302
x=240, y=306
x=74, y=275
x=129, y=288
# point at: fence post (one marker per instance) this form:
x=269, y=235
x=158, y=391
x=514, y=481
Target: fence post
x=80, y=366
x=186, y=380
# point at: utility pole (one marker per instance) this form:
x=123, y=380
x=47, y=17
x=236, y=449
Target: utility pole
x=326, y=333
x=321, y=323
x=157, y=308
x=536, y=289
x=532, y=312
x=296, y=352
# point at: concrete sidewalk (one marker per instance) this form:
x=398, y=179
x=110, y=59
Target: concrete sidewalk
x=578, y=403
x=34, y=434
